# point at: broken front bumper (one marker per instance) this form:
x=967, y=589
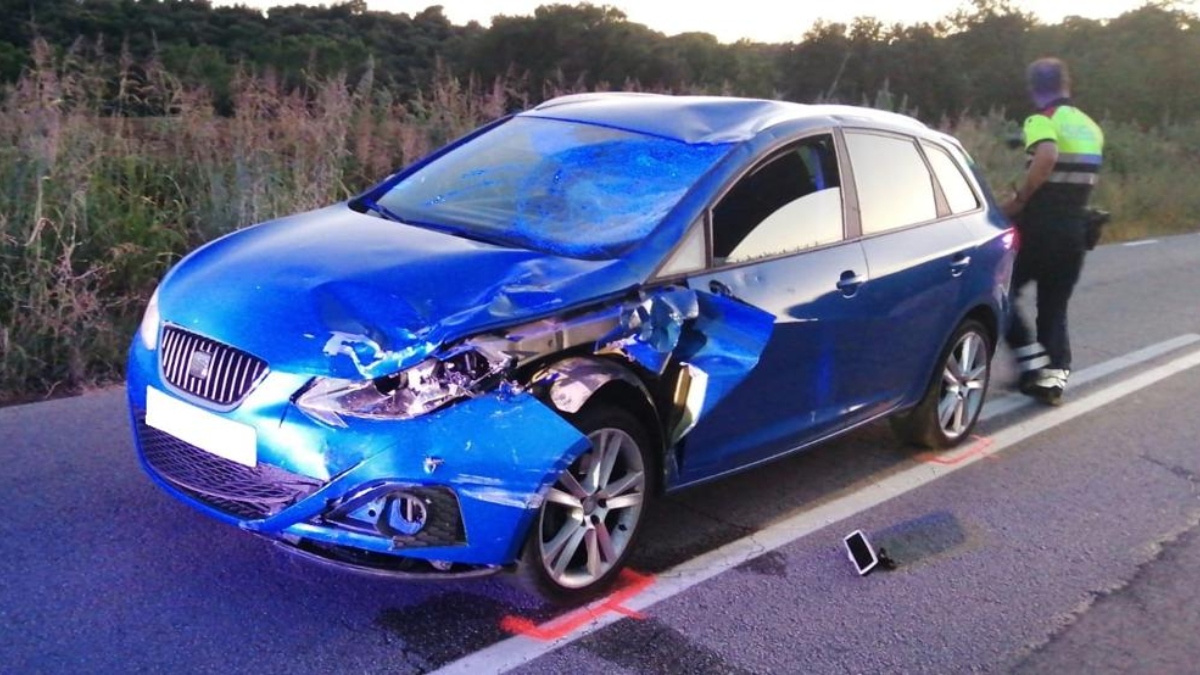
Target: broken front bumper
x=458, y=487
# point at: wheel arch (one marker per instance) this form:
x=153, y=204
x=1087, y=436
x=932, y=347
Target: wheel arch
x=983, y=313
x=569, y=384
x=986, y=315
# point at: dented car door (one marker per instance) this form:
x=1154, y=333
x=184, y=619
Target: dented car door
x=778, y=245
x=793, y=394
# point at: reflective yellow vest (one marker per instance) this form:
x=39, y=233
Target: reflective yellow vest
x=1080, y=154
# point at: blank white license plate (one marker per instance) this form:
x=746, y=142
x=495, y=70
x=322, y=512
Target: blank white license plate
x=222, y=437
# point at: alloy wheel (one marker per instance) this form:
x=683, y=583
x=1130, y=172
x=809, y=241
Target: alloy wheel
x=964, y=379
x=591, y=511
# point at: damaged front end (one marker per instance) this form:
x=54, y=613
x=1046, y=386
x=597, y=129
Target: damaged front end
x=439, y=468
x=680, y=349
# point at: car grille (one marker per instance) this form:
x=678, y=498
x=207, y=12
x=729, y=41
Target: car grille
x=245, y=492
x=226, y=380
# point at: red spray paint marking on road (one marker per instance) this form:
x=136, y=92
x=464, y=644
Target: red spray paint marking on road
x=981, y=446
x=629, y=584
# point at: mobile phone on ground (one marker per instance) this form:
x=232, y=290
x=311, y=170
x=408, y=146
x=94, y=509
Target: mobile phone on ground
x=861, y=553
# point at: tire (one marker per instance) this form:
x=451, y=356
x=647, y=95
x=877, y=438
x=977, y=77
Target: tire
x=565, y=557
x=954, y=398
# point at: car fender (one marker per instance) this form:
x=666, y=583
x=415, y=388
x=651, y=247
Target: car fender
x=570, y=383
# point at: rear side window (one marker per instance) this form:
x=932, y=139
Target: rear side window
x=894, y=186
x=959, y=195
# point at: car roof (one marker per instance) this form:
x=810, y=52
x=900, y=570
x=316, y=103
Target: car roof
x=705, y=119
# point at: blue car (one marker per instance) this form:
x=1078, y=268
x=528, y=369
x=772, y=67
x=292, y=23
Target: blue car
x=497, y=358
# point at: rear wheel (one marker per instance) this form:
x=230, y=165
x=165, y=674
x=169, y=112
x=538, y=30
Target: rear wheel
x=591, y=516
x=952, y=402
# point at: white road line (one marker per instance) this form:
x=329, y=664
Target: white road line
x=1143, y=242
x=516, y=651
x=1006, y=404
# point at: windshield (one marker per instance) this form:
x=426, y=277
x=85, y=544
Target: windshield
x=566, y=188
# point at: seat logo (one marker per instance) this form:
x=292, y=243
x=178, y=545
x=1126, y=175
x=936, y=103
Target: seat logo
x=199, y=365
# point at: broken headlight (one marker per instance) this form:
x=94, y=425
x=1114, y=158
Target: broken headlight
x=419, y=390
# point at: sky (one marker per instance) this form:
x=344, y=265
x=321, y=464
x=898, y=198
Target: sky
x=731, y=20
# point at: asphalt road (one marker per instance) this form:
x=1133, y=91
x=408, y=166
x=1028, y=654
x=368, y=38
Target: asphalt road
x=1069, y=549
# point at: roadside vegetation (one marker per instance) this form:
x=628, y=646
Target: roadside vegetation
x=114, y=165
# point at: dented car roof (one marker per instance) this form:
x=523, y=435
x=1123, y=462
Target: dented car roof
x=701, y=119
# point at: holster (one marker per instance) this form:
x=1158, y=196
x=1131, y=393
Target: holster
x=1094, y=221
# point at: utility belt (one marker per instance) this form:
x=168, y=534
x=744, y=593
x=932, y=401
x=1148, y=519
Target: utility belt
x=1090, y=218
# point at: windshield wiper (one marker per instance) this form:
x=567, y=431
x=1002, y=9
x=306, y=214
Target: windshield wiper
x=458, y=231
x=364, y=204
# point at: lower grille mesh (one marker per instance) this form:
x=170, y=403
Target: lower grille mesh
x=242, y=491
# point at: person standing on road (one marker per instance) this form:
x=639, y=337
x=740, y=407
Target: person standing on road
x=1065, y=148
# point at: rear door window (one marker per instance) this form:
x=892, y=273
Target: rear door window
x=895, y=188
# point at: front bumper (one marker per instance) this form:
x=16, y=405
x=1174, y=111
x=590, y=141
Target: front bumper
x=480, y=468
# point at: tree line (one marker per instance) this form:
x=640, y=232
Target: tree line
x=1138, y=67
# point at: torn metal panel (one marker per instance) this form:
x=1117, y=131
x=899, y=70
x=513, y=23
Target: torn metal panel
x=716, y=340
x=571, y=382
x=724, y=343
x=372, y=360
x=467, y=369
x=531, y=341
x=650, y=332
x=691, y=390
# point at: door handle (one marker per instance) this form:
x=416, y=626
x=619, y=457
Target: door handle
x=960, y=264
x=849, y=283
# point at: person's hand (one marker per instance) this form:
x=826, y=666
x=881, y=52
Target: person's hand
x=1013, y=206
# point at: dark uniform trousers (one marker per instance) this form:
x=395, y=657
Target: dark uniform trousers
x=1050, y=253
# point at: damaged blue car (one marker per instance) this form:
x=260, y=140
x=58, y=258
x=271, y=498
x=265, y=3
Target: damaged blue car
x=497, y=358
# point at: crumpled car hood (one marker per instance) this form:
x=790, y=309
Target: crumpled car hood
x=338, y=293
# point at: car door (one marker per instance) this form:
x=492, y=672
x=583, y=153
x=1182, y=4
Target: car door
x=778, y=243
x=917, y=252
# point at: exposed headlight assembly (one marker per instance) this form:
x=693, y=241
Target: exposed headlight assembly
x=417, y=391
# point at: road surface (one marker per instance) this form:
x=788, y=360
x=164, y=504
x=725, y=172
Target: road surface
x=1064, y=540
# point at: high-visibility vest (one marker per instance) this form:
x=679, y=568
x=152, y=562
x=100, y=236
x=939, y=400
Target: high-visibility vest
x=1080, y=153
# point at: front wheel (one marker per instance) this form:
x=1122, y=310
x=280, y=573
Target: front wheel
x=591, y=516
x=954, y=398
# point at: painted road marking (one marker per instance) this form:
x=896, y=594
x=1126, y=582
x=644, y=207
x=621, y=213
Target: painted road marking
x=980, y=446
x=518, y=650
x=1143, y=242
x=1012, y=402
x=631, y=583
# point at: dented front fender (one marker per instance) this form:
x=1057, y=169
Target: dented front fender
x=570, y=383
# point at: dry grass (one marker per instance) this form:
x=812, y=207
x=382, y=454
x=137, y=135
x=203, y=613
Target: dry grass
x=110, y=171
